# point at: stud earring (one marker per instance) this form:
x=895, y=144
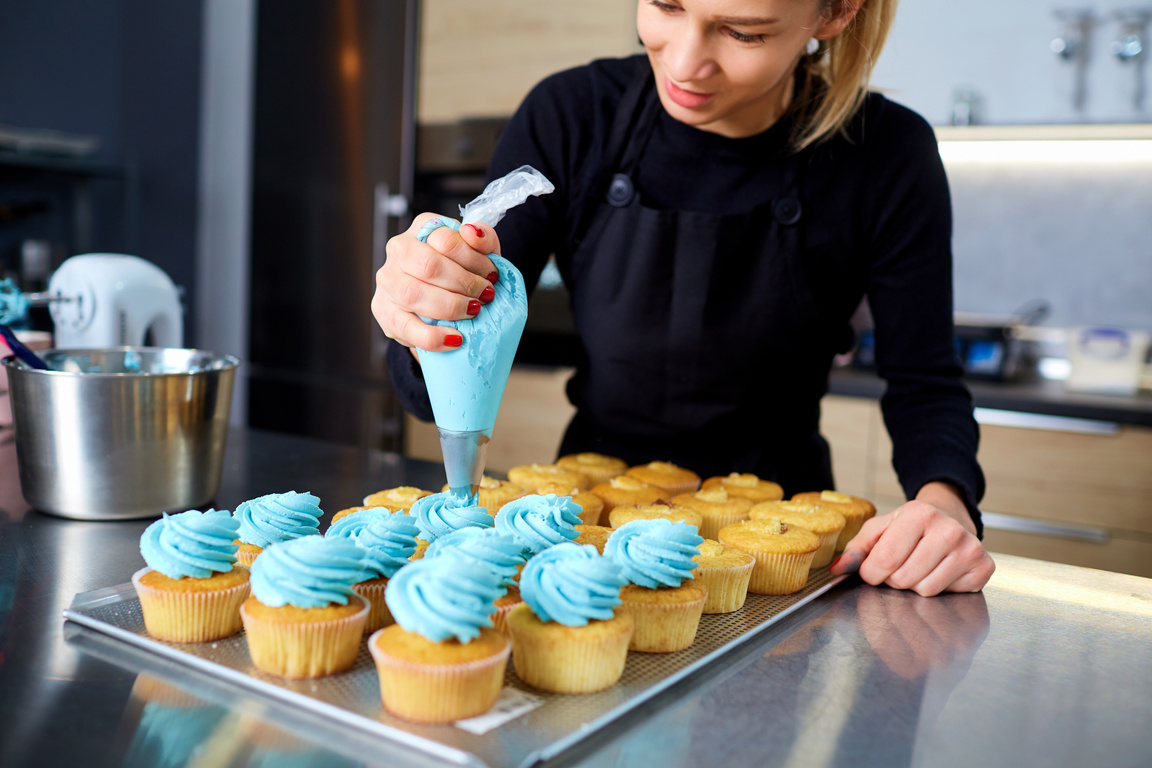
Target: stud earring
x=813, y=46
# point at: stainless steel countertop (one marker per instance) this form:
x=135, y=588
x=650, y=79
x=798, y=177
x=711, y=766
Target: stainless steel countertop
x=1051, y=665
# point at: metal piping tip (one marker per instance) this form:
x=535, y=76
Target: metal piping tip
x=465, y=454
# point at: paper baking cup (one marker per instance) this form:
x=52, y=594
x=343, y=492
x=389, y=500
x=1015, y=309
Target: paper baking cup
x=779, y=574
x=179, y=616
x=438, y=693
x=727, y=587
x=378, y=614
x=571, y=662
x=305, y=648
x=710, y=528
x=827, y=549
x=663, y=627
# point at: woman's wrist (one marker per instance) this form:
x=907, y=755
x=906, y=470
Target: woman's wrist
x=948, y=499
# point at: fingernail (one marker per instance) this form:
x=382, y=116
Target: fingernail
x=473, y=307
x=493, y=276
x=453, y=340
x=479, y=232
x=487, y=295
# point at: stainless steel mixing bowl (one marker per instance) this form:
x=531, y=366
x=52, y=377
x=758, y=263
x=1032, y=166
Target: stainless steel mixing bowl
x=111, y=434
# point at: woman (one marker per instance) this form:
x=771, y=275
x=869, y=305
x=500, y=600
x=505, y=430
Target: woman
x=721, y=207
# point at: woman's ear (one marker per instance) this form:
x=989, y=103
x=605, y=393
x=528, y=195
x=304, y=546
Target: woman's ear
x=843, y=11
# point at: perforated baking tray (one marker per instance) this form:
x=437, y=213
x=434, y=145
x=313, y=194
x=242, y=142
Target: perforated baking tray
x=526, y=726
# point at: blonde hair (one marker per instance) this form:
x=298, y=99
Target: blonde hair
x=836, y=76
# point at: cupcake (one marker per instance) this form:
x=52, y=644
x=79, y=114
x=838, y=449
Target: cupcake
x=387, y=540
x=566, y=637
x=783, y=554
x=656, y=556
x=855, y=510
x=746, y=486
x=396, y=499
x=597, y=467
x=442, y=513
x=274, y=518
x=665, y=475
x=661, y=510
x=725, y=571
x=304, y=619
x=192, y=589
x=628, y=490
x=494, y=493
x=539, y=522
x=486, y=548
x=821, y=519
x=590, y=504
x=593, y=535
x=532, y=476
x=441, y=661
x=716, y=507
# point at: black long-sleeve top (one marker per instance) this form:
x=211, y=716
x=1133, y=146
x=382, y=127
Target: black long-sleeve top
x=877, y=222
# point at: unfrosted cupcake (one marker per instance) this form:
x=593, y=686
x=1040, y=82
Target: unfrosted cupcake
x=783, y=554
x=746, y=486
x=821, y=519
x=532, y=476
x=441, y=661
x=566, y=637
x=716, y=507
x=494, y=493
x=442, y=513
x=666, y=475
x=396, y=499
x=661, y=510
x=387, y=539
x=304, y=619
x=593, y=535
x=855, y=510
x=725, y=571
x=487, y=548
x=628, y=490
x=656, y=556
x=590, y=504
x=273, y=518
x=597, y=467
x=192, y=589
x=539, y=522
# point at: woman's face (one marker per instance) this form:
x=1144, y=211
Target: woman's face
x=726, y=66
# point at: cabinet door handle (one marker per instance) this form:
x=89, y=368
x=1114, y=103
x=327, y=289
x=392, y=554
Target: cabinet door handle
x=999, y=418
x=1028, y=525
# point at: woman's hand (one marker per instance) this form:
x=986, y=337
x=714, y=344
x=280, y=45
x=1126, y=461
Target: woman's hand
x=928, y=545
x=447, y=278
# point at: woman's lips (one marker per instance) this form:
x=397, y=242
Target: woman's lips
x=686, y=99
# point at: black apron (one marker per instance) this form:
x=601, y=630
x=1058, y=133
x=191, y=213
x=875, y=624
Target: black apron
x=702, y=338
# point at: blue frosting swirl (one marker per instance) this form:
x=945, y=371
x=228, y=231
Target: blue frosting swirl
x=486, y=547
x=655, y=553
x=442, y=597
x=191, y=543
x=387, y=542
x=350, y=525
x=308, y=572
x=571, y=584
x=278, y=517
x=539, y=522
x=441, y=513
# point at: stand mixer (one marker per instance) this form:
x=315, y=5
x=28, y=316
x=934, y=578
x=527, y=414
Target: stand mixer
x=104, y=300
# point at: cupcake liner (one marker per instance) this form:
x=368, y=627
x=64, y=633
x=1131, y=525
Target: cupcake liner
x=779, y=574
x=304, y=648
x=178, y=616
x=378, y=614
x=727, y=587
x=710, y=528
x=827, y=549
x=438, y=693
x=663, y=627
x=570, y=661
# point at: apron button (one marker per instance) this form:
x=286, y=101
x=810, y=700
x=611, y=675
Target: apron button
x=620, y=190
x=787, y=210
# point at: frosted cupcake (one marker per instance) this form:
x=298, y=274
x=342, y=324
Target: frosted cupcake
x=566, y=637
x=746, y=486
x=532, y=476
x=494, y=493
x=716, y=507
x=656, y=556
x=192, y=589
x=725, y=571
x=273, y=518
x=783, y=554
x=441, y=661
x=855, y=510
x=666, y=475
x=628, y=490
x=487, y=548
x=387, y=540
x=590, y=504
x=396, y=499
x=539, y=522
x=304, y=619
x=661, y=510
x=821, y=519
x=597, y=467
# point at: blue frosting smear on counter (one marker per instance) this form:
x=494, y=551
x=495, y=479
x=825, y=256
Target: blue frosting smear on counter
x=441, y=598
x=655, y=553
x=309, y=572
x=191, y=543
x=571, y=584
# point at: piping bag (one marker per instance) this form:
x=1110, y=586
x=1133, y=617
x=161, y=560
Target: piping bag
x=466, y=384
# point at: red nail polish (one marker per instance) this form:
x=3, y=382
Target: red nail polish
x=453, y=340
x=473, y=307
x=487, y=295
x=479, y=232
x=493, y=276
